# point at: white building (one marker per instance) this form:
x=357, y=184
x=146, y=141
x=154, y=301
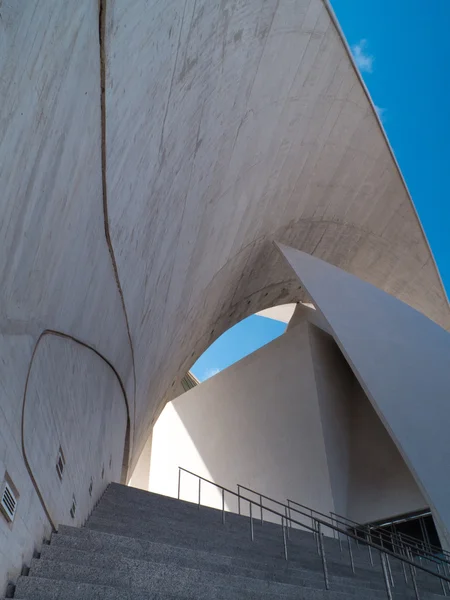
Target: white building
x=143, y=182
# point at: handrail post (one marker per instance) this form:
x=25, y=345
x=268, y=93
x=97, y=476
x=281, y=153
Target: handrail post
x=239, y=499
x=370, y=551
x=322, y=553
x=350, y=553
x=390, y=569
x=385, y=576
x=287, y=520
x=223, y=506
x=251, y=521
x=315, y=527
x=444, y=591
x=199, y=488
x=413, y=574
x=261, y=506
x=179, y=482
x=404, y=568
x=284, y=539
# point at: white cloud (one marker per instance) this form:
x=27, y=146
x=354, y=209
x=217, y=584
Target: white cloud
x=381, y=112
x=210, y=373
x=364, y=61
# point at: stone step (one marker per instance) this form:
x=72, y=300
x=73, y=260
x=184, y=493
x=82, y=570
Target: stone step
x=333, y=551
x=222, y=544
x=144, y=579
x=285, y=575
x=161, y=532
x=38, y=588
x=115, y=508
x=99, y=541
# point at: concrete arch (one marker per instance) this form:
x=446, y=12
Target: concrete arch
x=249, y=124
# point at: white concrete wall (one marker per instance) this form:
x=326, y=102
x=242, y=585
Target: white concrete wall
x=381, y=484
x=248, y=124
x=401, y=360
x=290, y=421
x=73, y=399
x=55, y=267
x=256, y=423
x=334, y=381
x=210, y=154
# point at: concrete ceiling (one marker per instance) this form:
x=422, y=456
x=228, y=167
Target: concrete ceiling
x=141, y=220
x=230, y=124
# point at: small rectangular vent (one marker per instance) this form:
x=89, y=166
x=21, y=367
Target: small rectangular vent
x=60, y=463
x=8, y=502
x=73, y=508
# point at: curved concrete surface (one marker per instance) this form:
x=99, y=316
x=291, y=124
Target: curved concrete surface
x=228, y=124
x=401, y=360
x=231, y=124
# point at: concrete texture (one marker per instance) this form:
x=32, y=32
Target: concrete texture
x=289, y=421
x=230, y=124
x=79, y=561
x=140, y=193
x=401, y=360
x=73, y=401
x=381, y=485
x=257, y=423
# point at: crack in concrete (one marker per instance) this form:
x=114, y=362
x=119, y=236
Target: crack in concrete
x=102, y=43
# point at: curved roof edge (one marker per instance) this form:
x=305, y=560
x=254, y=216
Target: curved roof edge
x=380, y=124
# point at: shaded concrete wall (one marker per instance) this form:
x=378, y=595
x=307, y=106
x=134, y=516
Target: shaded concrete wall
x=183, y=165
x=334, y=382
x=381, y=484
x=401, y=360
x=256, y=423
x=55, y=271
x=289, y=421
x=72, y=399
x=248, y=124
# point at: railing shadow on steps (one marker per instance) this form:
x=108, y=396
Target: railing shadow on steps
x=362, y=537
x=318, y=525
x=363, y=534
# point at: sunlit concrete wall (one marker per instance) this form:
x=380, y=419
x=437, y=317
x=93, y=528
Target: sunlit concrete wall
x=402, y=362
x=257, y=423
x=289, y=421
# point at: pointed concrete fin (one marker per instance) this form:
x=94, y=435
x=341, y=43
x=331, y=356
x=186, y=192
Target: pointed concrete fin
x=401, y=359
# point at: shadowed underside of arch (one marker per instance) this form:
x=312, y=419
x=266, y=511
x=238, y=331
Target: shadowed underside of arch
x=228, y=125
x=141, y=199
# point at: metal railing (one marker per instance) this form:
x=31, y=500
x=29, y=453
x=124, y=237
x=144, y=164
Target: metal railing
x=318, y=525
x=397, y=539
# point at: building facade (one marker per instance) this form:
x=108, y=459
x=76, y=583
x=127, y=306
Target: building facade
x=151, y=153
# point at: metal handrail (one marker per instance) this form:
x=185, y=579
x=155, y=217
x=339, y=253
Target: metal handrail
x=316, y=528
x=397, y=546
x=407, y=539
x=383, y=535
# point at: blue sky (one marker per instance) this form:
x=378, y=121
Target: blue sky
x=404, y=55
x=402, y=48
x=242, y=339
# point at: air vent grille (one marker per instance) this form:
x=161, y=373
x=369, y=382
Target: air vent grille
x=60, y=463
x=8, y=502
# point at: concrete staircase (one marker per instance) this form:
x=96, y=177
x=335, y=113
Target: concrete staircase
x=138, y=545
